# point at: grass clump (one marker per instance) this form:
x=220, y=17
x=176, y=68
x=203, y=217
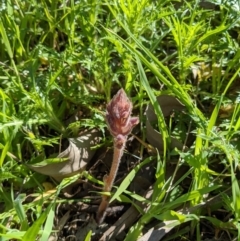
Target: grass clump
x=61, y=62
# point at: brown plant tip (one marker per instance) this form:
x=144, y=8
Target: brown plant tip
x=118, y=115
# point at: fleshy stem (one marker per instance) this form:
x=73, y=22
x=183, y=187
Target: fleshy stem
x=109, y=180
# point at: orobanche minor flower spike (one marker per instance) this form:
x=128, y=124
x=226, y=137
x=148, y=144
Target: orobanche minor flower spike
x=120, y=124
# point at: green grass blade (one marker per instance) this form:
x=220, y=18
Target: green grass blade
x=213, y=32
x=49, y=224
x=20, y=211
x=213, y=119
x=236, y=74
x=35, y=229
x=153, y=99
x=235, y=193
x=12, y=235
x=170, y=82
x=5, y=39
x=188, y=197
x=88, y=236
x=128, y=179
x=4, y=152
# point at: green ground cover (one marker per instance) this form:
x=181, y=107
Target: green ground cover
x=62, y=61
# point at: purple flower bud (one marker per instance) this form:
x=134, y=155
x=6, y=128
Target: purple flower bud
x=118, y=115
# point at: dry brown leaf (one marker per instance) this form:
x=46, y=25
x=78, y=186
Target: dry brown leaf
x=127, y=220
x=78, y=154
x=159, y=231
x=48, y=193
x=84, y=229
x=59, y=227
x=167, y=104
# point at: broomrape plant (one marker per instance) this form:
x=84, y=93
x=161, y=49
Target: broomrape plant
x=120, y=124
